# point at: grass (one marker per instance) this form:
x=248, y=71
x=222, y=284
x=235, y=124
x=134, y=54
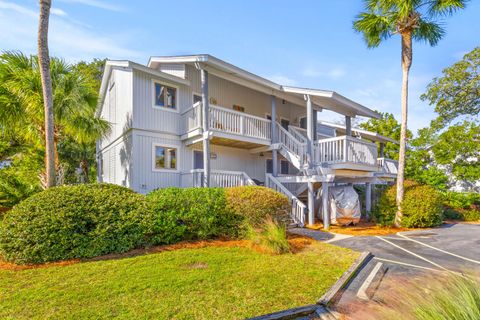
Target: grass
x=207, y=282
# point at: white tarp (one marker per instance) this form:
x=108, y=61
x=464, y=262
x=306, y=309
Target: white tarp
x=344, y=205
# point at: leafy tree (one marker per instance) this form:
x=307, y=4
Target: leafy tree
x=459, y=147
x=389, y=127
x=457, y=92
x=74, y=102
x=413, y=19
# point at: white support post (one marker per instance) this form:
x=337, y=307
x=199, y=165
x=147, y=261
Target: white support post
x=368, y=199
x=205, y=127
x=309, y=132
x=274, y=136
x=325, y=207
x=311, y=203
x=348, y=126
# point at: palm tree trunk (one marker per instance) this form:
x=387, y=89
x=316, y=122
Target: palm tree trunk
x=44, y=63
x=406, y=63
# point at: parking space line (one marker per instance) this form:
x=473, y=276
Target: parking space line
x=407, y=264
x=413, y=253
x=438, y=249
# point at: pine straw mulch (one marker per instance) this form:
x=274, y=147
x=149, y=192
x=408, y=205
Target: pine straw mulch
x=297, y=244
x=362, y=228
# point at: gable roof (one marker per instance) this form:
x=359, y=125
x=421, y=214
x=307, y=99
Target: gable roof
x=373, y=136
x=321, y=98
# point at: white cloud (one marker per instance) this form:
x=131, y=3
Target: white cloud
x=58, y=12
x=282, y=80
x=97, y=4
x=68, y=38
x=333, y=73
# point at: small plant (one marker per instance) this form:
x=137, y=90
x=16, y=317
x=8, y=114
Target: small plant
x=272, y=237
x=452, y=297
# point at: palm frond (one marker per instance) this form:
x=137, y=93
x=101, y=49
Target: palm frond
x=445, y=7
x=429, y=31
x=374, y=27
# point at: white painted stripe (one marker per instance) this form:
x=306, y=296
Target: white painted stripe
x=407, y=264
x=362, y=291
x=412, y=253
x=438, y=249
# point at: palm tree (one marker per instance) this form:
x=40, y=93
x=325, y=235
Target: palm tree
x=412, y=20
x=74, y=102
x=44, y=62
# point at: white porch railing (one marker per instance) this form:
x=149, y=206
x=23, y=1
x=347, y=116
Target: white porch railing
x=292, y=144
x=240, y=123
x=299, y=210
x=299, y=133
x=193, y=117
x=345, y=149
x=389, y=166
x=218, y=179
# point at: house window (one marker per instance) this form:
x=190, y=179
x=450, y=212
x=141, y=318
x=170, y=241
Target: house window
x=165, y=157
x=284, y=123
x=165, y=96
x=269, y=165
x=197, y=98
x=303, y=122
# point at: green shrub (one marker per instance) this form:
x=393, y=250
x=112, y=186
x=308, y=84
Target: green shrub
x=422, y=206
x=73, y=222
x=256, y=204
x=462, y=206
x=189, y=214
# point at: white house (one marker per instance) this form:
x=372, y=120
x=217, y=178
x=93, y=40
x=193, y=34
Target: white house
x=192, y=121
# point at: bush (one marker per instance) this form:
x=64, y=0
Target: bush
x=256, y=204
x=203, y=213
x=462, y=206
x=73, y=222
x=422, y=206
x=189, y=214
x=272, y=237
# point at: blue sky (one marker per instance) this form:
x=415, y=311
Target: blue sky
x=311, y=45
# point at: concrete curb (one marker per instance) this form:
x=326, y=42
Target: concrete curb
x=327, y=298
x=289, y=314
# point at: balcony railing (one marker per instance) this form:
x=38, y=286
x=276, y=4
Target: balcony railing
x=345, y=149
x=388, y=165
x=218, y=179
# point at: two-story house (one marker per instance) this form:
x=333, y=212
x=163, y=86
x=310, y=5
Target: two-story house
x=197, y=121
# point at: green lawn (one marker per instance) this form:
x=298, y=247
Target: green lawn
x=201, y=283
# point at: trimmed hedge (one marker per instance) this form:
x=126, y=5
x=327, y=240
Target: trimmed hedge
x=67, y=222
x=256, y=204
x=203, y=213
x=422, y=206
x=190, y=213
x=85, y=221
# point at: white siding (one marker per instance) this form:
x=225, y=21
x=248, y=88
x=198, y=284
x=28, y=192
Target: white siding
x=156, y=119
x=117, y=105
x=175, y=69
x=116, y=162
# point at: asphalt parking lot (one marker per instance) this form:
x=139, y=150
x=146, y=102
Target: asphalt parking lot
x=410, y=255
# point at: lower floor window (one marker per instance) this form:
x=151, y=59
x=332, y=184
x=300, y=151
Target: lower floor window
x=165, y=158
x=283, y=166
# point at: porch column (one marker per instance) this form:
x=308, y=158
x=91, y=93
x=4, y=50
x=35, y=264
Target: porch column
x=274, y=136
x=368, y=198
x=325, y=209
x=309, y=132
x=382, y=149
x=205, y=127
x=348, y=125
x=311, y=194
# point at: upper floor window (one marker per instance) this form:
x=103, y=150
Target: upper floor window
x=164, y=157
x=165, y=96
x=197, y=98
